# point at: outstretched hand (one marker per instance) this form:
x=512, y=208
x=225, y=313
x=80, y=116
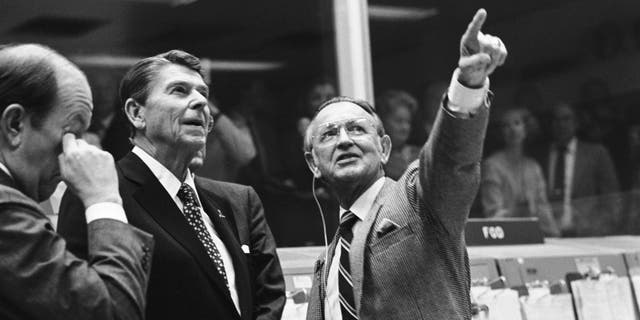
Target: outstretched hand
x=480, y=54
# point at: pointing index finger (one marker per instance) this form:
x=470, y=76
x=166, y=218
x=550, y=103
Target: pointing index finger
x=476, y=24
x=69, y=142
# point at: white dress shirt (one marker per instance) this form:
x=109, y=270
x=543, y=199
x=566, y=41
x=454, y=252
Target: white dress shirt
x=360, y=209
x=171, y=183
x=462, y=100
x=566, y=218
x=100, y=210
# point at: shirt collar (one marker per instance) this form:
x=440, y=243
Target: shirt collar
x=363, y=204
x=166, y=178
x=5, y=169
x=571, y=146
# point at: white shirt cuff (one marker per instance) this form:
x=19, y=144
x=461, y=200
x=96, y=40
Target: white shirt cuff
x=463, y=99
x=106, y=210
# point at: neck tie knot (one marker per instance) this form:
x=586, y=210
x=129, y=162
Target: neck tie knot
x=347, y=220
x=186, y=194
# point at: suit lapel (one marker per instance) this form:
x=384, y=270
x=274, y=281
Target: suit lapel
x=358, y=245
x=224, y=225
x=578, y=169
x=161, y=207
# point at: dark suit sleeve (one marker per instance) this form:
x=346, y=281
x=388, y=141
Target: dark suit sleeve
x=72, y=225
x=449, y=167
x=268, y=279
x=41, y=278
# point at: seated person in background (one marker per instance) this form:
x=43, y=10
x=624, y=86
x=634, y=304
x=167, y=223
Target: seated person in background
x=422, y=122
x=297, y=174
x=319, y=92
x=46, y=103
x=230, y=146
x=512, y=184
x=104, y=82
x=396, y=109
x=583, y=186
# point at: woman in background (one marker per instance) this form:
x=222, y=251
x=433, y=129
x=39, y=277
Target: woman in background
x=512, y=184
x=396, y=110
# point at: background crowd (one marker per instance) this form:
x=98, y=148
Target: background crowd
x=593, y=189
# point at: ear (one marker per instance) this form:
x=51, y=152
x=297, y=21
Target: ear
x=385, y=148
x=311, y=163
x=12, y=124
x=135, y=113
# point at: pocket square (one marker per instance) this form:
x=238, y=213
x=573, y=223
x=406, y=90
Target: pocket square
x=245, y=248
x=386, y=226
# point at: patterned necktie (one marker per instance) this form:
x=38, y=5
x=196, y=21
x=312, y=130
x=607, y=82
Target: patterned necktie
x=192, y=212
x=345, y=285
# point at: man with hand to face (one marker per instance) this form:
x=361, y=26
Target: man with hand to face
x=203, y=267
x=46, y=103
x=399, y=252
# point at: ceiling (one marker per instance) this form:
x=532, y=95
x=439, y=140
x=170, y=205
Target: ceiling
x=543, y=36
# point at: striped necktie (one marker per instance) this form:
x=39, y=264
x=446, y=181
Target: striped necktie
x=192, y=212
x=345, y=285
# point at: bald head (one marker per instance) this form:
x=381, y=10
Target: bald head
x=30, y=75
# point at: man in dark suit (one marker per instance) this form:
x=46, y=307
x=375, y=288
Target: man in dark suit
x=46, y=103
x=205, y=266
x=400, y=252
x=582, y=184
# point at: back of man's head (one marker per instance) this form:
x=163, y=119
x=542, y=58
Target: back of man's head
x=135, y=83
x=28, y=78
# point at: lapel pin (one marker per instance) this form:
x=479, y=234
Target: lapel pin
x=220, y=214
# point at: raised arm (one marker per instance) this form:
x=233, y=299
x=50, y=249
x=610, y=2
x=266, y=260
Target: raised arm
x=449, y=167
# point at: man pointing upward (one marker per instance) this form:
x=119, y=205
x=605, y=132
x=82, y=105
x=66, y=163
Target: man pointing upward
x=399, y=252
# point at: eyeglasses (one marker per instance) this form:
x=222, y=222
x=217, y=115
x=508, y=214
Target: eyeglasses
x=328, y=133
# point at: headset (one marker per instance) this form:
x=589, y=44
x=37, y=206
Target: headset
x=325, y=268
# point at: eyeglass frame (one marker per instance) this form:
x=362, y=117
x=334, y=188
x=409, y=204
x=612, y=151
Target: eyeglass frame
x=342, y=125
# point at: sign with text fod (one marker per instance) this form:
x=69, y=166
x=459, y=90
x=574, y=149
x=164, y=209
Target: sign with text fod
x=503, y=231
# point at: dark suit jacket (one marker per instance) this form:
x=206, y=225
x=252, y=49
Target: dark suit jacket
x=417, y=267
x=595, y=198
x=184, y=283
x=42, y=280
